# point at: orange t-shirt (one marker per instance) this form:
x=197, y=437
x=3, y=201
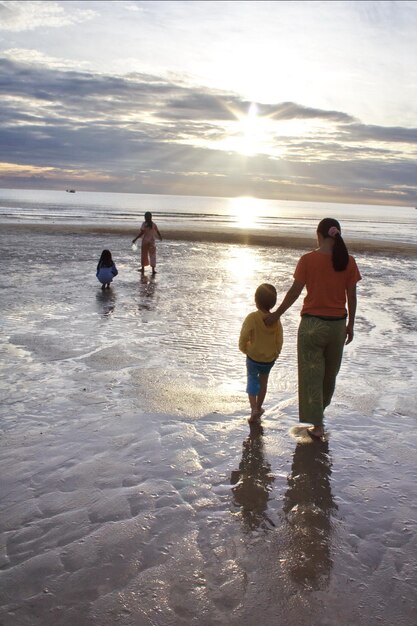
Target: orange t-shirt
x=326, y=288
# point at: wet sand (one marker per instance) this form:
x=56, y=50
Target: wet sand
x=295, y=238
x=133, y=491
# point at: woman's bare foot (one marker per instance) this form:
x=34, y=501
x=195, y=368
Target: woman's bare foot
x=317, y=432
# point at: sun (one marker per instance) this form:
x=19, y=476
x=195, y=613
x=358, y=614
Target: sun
x=254, y=133
x=249, y=129
x=248, y=133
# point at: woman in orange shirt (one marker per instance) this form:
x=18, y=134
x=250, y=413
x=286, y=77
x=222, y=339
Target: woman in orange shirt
x=330, y=275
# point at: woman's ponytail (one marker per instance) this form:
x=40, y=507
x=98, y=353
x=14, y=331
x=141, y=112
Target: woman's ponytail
x=330, y=227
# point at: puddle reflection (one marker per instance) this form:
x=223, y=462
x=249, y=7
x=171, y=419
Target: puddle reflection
x=147, y=287
x=308, y=509
x=252, y=482
x=106, y=302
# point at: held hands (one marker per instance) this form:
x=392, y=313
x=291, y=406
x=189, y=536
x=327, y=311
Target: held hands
x=271, y=319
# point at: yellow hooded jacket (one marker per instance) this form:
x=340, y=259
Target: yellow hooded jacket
x=260, y=342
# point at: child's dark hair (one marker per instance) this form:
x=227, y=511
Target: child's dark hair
x=266, y=296
x=148, y=219
x=330, y=227
x=105, y=259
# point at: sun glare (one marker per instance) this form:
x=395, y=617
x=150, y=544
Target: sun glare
x=248, y=134
x=254, y=133
x=245, y=211
x=250, y=131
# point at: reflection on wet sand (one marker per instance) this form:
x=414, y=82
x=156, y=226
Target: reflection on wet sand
x=147, y=287
x=308, y=509
x=252, y=482
x=106, y=301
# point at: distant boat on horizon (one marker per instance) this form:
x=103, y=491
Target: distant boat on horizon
x=70, y=190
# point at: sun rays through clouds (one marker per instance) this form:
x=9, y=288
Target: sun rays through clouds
x=190, y=100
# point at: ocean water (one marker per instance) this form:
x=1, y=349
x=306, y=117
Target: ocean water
x=133, y=491
x=384, y=224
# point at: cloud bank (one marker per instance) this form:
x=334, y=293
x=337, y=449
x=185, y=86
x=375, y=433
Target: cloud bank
x=146, y=133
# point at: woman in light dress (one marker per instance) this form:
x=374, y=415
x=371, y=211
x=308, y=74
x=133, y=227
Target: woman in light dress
x=148, y=232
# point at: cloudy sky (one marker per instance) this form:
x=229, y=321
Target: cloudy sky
x=293, y=100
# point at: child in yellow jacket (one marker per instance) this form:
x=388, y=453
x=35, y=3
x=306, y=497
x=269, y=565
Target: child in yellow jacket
x=262, y=345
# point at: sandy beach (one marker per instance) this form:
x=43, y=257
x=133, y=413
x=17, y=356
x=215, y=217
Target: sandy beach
x=132, y=490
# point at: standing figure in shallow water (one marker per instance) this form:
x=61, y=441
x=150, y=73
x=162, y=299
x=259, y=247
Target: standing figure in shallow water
x=330, y=275
x=148, y=232
x=262, y=346
x=106, y=269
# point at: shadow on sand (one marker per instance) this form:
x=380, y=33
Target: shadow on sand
x=308, y=508
x=253, y=482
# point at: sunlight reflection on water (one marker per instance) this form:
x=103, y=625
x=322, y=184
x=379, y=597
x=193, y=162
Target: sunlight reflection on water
x=241, y=262
x=245, y=211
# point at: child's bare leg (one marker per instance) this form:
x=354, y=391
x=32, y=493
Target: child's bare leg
x=254, y=408
x=263, y=382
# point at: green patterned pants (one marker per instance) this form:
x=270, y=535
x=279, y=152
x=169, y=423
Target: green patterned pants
x=320, y=350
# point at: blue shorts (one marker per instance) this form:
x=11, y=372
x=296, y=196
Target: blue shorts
x=254, y=369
